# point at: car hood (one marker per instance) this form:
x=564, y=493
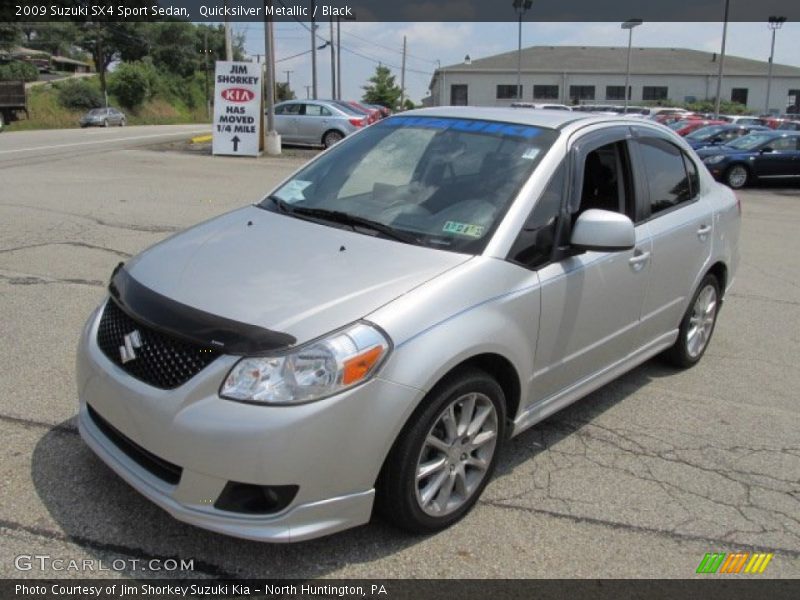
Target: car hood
x=284, y=274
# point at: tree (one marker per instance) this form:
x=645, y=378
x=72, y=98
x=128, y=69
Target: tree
x=382, y=89
x=10, y=34
x=56, y=37
x=283, y=92
x=130, y=83
x=408, y=104
x=173, y=47
x=107, y=42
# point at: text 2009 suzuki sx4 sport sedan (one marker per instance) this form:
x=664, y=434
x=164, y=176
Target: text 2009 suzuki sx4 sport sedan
x=373, y=330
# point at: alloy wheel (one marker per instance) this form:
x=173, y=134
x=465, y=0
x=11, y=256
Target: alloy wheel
x=701, y=323
x=456, y=455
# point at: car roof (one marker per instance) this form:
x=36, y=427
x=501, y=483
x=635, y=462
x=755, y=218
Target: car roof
x=553, y=119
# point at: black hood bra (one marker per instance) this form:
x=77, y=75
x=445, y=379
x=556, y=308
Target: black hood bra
x=183, y=321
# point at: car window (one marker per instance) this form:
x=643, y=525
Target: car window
x=316, y=110
x=289, y=109
x=783, y=144
x=667, y=178
x=605, y=180
x=402, y=173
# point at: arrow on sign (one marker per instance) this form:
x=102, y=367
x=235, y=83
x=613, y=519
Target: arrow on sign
x=235, y=141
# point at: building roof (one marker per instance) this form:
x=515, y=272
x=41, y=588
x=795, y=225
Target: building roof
x=612, y=60
x=69, y=61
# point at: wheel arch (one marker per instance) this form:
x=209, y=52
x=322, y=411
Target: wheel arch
x=332, y=130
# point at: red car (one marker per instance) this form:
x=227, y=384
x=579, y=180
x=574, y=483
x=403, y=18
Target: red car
x=685, y=127
x=373, y=113
x=781, y=123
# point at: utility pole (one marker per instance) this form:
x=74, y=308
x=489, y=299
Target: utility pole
x=205, y=68
x=288, y=82
x=338, y=59
x=273, y=140
x=721, y=61
x=333, y=64
x=313, y=53
x=228, y=39
x=629, y=25
x=308, y=91
x=403, y=77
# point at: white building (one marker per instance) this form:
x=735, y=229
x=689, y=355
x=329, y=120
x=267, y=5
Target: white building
x=596, y=75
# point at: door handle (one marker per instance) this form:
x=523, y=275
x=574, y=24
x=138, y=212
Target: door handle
x=638, y=260
x=703, y=231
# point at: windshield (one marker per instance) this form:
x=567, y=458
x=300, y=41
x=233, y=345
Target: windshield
x=675, y=125
x=705, y=133
x=97, y=111
x=439, y=182
x=750, y=141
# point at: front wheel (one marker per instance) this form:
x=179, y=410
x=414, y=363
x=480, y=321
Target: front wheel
x=122, y=123
x=331, y=138
x=445, y=456
x=736, y=177
x=697, y=325
x=105, y=123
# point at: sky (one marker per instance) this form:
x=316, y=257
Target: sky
x=364, y=45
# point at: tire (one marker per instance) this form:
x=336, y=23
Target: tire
x=693, y=340
x=105, y=123
x=2, y=121
x=122, y=123
x=419, y=505
x=737, y=176
x=332, y=137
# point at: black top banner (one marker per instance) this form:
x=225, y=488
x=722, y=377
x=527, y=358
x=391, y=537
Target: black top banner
x=399, y=10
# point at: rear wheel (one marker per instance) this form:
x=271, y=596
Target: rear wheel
x=445, y=456
x=105, y=123
x=736, y=176
x=697, y=325
x=331, y=137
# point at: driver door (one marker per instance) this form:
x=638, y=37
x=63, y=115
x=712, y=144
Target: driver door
x=591, y=302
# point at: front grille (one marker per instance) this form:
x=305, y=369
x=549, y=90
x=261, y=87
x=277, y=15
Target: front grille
x=161, y=360
x=164, y=470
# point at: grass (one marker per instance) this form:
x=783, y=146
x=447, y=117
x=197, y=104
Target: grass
x=46, y=113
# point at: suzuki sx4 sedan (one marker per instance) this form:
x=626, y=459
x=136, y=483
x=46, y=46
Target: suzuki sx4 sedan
x=369, y=334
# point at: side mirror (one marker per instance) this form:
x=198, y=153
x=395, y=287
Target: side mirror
x=767, y=150
x=603, y=230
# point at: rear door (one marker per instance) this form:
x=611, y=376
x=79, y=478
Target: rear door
x=680, y=217
x=312, y=123
x=781, y=160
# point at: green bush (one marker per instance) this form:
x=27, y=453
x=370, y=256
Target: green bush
x=79, y=94
x=18, y=70
x=131, y=83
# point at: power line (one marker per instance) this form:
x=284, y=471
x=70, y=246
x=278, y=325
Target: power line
x=397, y=50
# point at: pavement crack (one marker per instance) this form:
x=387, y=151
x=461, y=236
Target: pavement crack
x=67, y=427
x=36, y=280
x=68, y=243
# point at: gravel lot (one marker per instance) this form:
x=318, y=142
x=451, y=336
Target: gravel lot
x=640, y=479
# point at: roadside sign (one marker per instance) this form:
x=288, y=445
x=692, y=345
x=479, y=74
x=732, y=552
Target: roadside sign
x=238, y=109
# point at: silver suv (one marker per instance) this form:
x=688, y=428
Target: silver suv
x=316, y=122
x=372, y=332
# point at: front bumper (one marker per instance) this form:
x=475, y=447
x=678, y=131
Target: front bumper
x=332, y=449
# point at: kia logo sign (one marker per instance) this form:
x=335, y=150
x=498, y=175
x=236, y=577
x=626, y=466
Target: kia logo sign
x=237, y=95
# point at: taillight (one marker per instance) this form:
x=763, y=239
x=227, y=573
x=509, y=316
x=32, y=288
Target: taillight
x=357, y=122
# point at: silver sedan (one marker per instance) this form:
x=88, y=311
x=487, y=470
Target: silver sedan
x=316, y=122
x=372, y=332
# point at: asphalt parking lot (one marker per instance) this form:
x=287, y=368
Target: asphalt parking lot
x=640, y=479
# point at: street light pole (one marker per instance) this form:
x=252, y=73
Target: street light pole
x=521, y=7
x=273, y=140
x=774, y=24
x=629, y=25
x=313, y=53
x=722, y=60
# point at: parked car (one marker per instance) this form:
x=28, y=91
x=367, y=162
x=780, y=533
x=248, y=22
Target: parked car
x=540, y=106
x=103, y=117
x=374, y=113
x=715, y=135
x=315, y=122
x=377, y=327
x=684, y=128
x=789, y=126
x=760, y=155
x=385, y=112
x=742, y=120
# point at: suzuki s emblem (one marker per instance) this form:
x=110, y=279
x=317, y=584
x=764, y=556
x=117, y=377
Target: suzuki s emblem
x=132, y=341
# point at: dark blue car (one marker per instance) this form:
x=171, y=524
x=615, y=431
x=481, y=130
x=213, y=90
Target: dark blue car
x=759, y=155
x=716, y=135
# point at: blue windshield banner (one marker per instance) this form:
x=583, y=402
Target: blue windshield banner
x=466, y=125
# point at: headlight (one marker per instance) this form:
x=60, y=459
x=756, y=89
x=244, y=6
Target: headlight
x=316, y=370
x=712, y=160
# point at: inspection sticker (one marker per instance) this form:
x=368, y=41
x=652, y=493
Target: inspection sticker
x=466, y=229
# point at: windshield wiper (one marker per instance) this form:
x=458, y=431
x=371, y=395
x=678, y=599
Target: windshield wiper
x=354, y=221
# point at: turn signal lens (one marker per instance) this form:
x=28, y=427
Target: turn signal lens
x=358, y=367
